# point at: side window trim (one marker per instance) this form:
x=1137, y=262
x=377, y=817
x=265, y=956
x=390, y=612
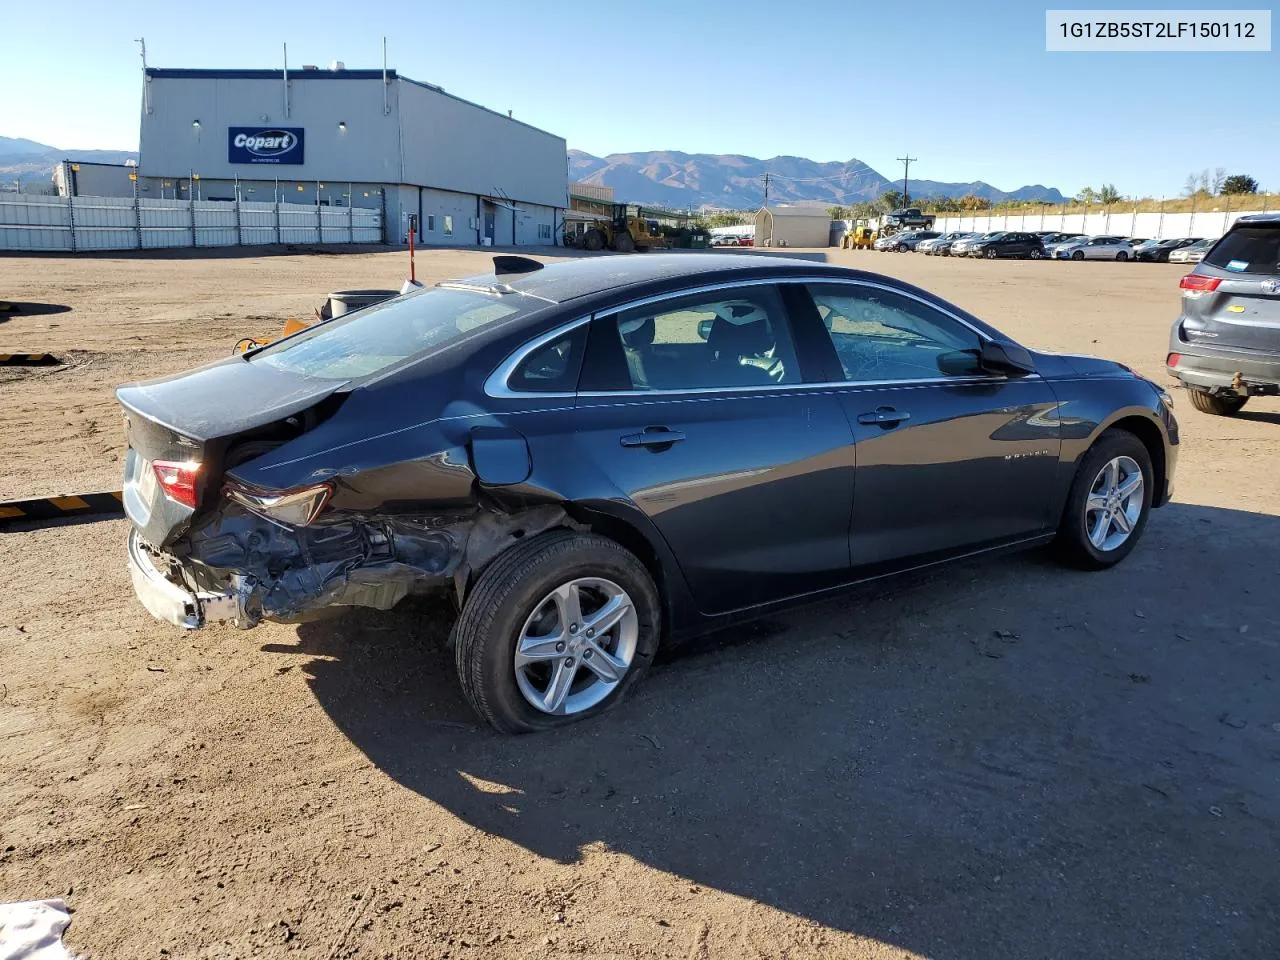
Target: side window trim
x=497, y=384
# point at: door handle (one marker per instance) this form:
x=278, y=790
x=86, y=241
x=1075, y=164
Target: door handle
x=653, y=437
x=884, y=416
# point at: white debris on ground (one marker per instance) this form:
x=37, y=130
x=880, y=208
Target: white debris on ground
x=32, y=930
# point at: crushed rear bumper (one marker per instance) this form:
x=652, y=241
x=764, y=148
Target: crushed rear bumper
x=174, y=603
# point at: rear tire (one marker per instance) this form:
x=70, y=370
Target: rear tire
x=1074, y=545
x=1217, y=405
x=500, y=609
x=623, y=243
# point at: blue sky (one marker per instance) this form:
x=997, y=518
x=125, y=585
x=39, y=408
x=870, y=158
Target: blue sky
x=978, y=99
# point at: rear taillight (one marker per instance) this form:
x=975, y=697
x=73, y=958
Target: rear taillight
x=1198, y=283
x=288, y=508
x=1173, y=359
x=178, y=480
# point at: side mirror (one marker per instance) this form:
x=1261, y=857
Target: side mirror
x=704, y=329
x=960, y=363
x=1006, y=357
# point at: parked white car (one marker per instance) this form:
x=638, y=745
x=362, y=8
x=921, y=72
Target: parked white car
x=1094, y=248
x=1192, y=253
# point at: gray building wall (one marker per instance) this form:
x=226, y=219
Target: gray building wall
x=368, y=151
x=429, y=153
x=456, y=145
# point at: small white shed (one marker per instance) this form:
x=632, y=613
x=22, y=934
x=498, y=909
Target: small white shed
x=793, y=226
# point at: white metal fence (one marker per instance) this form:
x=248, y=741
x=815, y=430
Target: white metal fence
x=1156, y=226
x=29, y=223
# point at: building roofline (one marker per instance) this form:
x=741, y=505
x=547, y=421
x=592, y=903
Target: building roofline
x=479, y=106
x=296, y=74
x=324, y=74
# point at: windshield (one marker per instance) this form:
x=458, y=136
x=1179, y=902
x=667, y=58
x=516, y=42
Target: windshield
x=993, y=236
x=1246, y=250
x=376, y=338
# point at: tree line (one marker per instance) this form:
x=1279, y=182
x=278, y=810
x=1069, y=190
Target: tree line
x=1203, y=185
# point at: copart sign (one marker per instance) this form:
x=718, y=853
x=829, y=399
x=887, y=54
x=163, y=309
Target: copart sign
x=264, y=145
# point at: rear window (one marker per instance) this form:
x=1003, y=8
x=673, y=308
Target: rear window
x=1248, y=250
x=379, y=337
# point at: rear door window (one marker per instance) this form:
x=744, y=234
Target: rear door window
x=1248, y=250
x=732, y=338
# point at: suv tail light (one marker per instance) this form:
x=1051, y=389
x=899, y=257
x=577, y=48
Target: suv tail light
x=1173, y=359
x=286, y=508
x=1198, y=283
x=178, y=480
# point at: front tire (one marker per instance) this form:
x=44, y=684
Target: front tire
x=1078, y=255
x=1217, y=405
x=1122, y=256
x=1108, y=504
x=991, y=254
x=527, y=651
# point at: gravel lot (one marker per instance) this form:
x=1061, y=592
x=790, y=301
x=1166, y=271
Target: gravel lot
x=1000, y=759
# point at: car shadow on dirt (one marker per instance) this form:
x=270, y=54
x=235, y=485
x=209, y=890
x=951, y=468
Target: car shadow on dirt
x=1000, y=758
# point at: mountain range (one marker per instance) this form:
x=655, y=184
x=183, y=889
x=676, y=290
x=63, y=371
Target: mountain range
x=665, y=178
x=669, y=178
x=33, y=162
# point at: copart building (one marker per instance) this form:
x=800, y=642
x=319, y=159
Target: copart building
x=370, y=138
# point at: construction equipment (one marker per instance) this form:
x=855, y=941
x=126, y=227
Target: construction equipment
x=861, y=237
x=625, y=230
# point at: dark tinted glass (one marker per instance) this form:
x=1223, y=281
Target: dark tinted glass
x=553, y=368
x=1257, y=248
x=731, y=338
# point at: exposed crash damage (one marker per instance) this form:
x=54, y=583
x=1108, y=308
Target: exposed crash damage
x=249, y=568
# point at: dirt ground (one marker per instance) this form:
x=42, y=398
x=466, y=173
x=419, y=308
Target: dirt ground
x=999, y=759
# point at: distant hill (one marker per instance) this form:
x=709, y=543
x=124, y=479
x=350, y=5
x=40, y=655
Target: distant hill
x=670, y=178
x=33, y=162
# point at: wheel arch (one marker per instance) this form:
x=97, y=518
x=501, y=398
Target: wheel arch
x=1149, y=433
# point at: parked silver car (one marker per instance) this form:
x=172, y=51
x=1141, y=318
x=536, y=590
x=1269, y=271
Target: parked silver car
x=941, y=246
x=1192, y=253
x=1093, y=248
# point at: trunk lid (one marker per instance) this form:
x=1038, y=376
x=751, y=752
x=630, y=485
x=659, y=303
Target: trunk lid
x=1243, y=311
x=195, y=418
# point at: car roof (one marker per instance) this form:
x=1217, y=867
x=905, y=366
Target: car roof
x=572, y=279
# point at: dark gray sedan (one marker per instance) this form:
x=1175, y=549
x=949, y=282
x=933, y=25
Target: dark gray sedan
x=600, y=457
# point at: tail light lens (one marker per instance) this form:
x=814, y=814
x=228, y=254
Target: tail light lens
x=287, y=508
x=1199, y=284
x=1173, y=359
x=178, y=480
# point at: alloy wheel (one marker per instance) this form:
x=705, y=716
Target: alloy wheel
x=1114, y=505
x=576, y=646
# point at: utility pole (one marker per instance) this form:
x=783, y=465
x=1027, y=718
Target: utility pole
x=906, y=167
x=766, y=189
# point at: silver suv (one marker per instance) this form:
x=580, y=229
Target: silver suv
x=1225, y=347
